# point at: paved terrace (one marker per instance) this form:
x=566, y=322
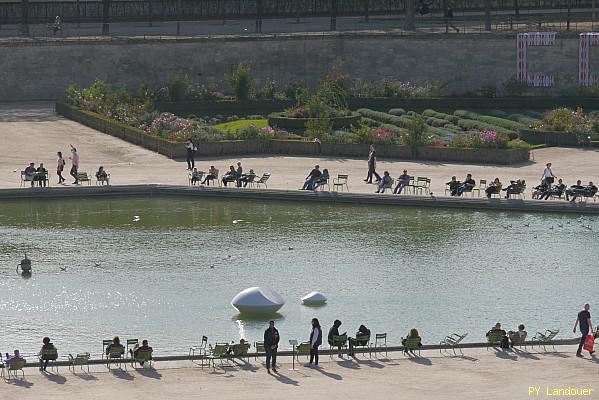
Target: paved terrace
x=31, y=132
x=477, y=374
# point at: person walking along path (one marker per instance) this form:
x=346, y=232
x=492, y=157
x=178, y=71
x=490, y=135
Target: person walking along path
x=372, y=166
x=75, y=164
x=60, y=167
x=583, y=320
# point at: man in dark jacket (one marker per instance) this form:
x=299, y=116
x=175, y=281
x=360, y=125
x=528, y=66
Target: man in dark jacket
x=334, y=331
x=271, y=343
x=312, y=178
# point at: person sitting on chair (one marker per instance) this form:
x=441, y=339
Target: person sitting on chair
x=518, y=336
x=14, y=358
x=211, y=175
x=589, y=191
x=402, y=181
x=467, y=185
x=115, y=347
x=334, y=331
x=143, y=348
x=494, y=188
x=41, y=175
x=195, y=176
x=556, y=190
x=29, y=173
x=454, y=186
x=247, y=178
x=540, y=190
x=101, y=175
x=47, y=345
x=364, y=335
x=496, y=328
x=312, y=177
x=323, y=180
x=413, y=334
x=230, y=176
x=385, y=182
x=515, y=187
x=578, y=188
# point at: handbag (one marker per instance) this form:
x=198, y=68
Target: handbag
x=589, y=342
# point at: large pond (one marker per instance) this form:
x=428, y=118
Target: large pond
x=170, y=274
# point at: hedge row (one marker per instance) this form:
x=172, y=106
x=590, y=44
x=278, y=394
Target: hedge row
x=432, y=113
x=400, y=121
x=471, y=124
x=502, y=122
x=397, y=111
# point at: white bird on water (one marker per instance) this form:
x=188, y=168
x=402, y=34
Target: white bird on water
x=236, y=221
x=136, y=218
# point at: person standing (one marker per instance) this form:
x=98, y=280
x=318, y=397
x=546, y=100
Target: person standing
x=271, y=344
x=60, y=167
x=449, y=20
x=548, y=176
x=191, y=149
x=315, y=341
x=75, y=164
x=583, y=320
x=372, y=166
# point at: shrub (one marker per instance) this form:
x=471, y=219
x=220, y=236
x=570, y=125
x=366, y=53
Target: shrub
x=440, y=115
x=416, y=135
x=241, y=82
x=319, y=127
x=567, y=120
x=502, y=122
x=514, y=87
x=397, y=111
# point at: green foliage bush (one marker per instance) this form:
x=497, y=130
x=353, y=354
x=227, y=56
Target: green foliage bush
x=501, y=122
x=397, y=111
x=241, y=81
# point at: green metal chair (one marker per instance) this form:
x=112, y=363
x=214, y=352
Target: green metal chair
x=543, y=339
x=494, y=338
x=339, y=342
x=341, y=181
x=142, y=356
x=517, y=340
x=116, y=355
x=261, y=181
x=410, y=345
x=240, y=350
x=51, y=355
x=219, y=351
x=302, y=349
x=81, y=359
x=362, y=342
x=259, y=348
x=201, y=349
x=380, y=343
x=14, y=367
x=199, y=178
x=452, y=341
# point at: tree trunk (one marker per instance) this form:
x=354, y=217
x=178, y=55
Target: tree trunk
x=178, y=17
x=333, y=15
x=410, y=22
x=25, y=17
x=488, y=15
x=105, y=17
x=259, y=12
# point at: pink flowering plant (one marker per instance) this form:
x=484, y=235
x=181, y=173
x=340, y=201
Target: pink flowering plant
x=566, y=120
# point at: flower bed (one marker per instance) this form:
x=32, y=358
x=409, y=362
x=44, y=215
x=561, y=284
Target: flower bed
x=289, y=147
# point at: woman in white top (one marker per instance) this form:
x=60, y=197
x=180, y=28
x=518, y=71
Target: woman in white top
x=315, y=341
x=548, y=176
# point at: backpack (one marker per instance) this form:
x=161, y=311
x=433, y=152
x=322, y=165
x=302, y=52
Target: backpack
x=505, y=342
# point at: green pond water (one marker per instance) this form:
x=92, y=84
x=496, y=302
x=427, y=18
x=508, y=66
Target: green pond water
x=170, y=276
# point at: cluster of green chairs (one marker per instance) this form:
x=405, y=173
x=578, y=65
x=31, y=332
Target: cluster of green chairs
x=378, y=346
x=13, y=369
x=452, y=341
x=255, y=181
x=117, y=356
x=224, y=352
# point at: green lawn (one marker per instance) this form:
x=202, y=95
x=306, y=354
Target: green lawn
x=232, y=127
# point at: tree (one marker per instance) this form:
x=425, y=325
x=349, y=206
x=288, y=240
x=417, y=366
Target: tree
x=416, y=135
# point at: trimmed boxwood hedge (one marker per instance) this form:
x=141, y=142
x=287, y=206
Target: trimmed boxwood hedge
x=432, y=113
x=299, y=124
x=502, y=122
